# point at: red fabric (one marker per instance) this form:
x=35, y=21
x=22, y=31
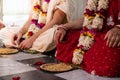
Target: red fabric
x=101, y=59
x=16, y=78
x=105, y=61
x=65, y=48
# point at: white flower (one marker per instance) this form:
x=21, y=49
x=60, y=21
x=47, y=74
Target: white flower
x=102, y=4
x=87, y=22
x=33, y=28
x=81, y=40
x=77, y=57
x=97, y=22
x=110, y=21
x=35, y=15
x=86, y=42
x=36, y=2
x=91, y=5
x=45, y=6
x=42, y=18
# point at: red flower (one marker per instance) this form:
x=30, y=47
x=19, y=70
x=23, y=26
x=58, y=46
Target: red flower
x=16, y=78
x=88, y=12
x=38, y=63
x=37, y=7
x=34, y=21
x=30, y=33
x=41, y=25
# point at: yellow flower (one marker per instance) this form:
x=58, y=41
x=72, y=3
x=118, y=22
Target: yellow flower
x=88, y=33
x=82, y=52
x=100, y=15
x=76, y=50
x=89, y=17
x=36, y=9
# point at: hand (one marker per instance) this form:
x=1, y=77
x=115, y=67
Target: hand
x=26, y=44
x=113, y=37
x=16, y=38
x=60, y=33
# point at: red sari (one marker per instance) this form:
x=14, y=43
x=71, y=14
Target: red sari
x=99, y=59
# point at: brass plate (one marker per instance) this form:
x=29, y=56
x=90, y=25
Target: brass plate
x=6, y=51
x=56, y=67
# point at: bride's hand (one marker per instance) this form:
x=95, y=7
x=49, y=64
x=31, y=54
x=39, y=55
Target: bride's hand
x=113, y=37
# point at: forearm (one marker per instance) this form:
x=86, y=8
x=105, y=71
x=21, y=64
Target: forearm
x=75, y=24
x=36, y=35
x=57, y=19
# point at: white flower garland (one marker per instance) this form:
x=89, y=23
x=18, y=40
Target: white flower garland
x=91, y=22
x=39, y=13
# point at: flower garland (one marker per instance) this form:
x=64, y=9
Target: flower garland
x=39, y=13
x=94, y=17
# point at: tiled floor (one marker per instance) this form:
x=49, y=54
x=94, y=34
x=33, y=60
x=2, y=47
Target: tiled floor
x=21, y=65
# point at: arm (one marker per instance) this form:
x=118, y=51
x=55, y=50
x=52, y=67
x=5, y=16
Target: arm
x=61, y=31
x=77, y=24
x=28, y=22
x=57, y=18
x=26, y=26
x=17, y=36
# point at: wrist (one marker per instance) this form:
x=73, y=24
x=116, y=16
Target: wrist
x=62, y=27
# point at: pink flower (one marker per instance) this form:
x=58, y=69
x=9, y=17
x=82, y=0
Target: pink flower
x=41, y=25
x=47, y=0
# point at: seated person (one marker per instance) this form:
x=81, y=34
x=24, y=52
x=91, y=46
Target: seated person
x=2, y=25
x=94, y=44
x=38, y=31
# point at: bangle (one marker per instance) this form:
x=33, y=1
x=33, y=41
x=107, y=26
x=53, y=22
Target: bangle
x=117, y=26
x=61, y=27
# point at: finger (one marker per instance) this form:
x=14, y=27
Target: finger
x=108, y=39
x=57, y=37
x=61, y=38
x=21, y=46
x=116, y=42
x=112, y=41
x=106, y=36
x=18, y=39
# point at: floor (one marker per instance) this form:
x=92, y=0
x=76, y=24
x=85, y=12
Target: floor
x=20, y=65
